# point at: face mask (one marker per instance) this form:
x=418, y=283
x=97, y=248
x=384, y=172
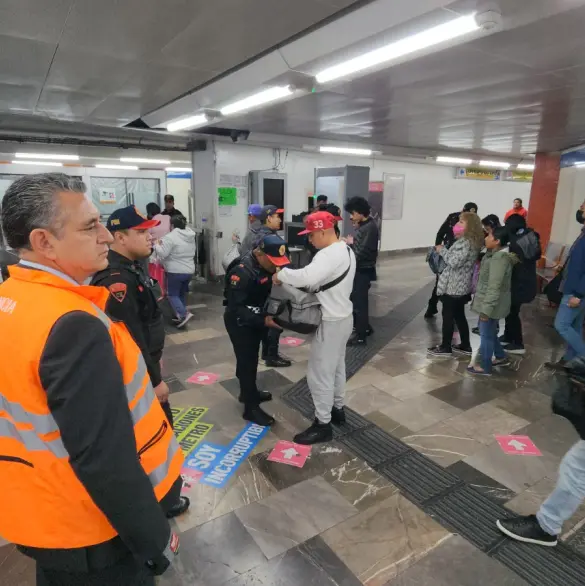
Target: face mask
x=580, y=217
x=458, y=230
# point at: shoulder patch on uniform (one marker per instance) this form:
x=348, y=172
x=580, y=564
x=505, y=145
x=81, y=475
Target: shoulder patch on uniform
x=263, y=280
x=235, y=279
x=118, y=291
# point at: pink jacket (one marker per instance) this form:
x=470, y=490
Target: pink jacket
x=162, y=229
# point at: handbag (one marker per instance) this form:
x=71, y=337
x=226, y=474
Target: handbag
x=299, y=310
x=230, y=256
x=436, y=261
x=568, y=399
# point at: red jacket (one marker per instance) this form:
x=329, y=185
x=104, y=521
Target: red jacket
x=521, y=212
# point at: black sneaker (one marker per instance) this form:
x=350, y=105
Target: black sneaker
x=501, y=361
x=370, y=331
x=316, y=434
x=431, y=313
x=465, y=350
x=503, y=339
x=559, y=365
x=355, y=340
x=181, y=507
x=475, y=330
x=512, y=348
x=527, y=530
x=338, y=415
x=263, y=396
x=277, y=361
x=259, y=417
x=440, y=351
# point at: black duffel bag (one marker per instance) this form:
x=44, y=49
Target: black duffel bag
x=568, y=399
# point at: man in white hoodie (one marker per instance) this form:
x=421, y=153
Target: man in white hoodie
x=326, y=369
x=176, y=250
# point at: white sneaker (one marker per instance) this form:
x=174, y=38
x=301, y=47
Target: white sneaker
x=185, y=320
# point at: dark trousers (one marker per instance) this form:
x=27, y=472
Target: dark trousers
x=434, y=300
x=270, y=342
x=246, y=343
x=173, y=497
x=125, y=572
x=360, y=299
x=513, y=331
x=454, y=313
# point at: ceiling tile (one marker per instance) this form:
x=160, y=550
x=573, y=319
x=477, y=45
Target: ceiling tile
x=40, y=20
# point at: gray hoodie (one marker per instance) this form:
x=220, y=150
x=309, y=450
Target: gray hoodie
x=176, y=250
x=256, y=229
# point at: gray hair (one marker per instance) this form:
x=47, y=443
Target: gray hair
x=30, y=204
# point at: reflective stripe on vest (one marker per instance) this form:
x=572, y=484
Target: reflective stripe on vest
x=31, y=440
x=43, y=424
x=160, y=473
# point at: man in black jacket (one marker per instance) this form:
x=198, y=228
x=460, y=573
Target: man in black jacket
x=365, y=246
x=247, y=286
x=445, y=237
x=525, y=244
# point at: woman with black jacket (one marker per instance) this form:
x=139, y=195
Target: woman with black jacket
x=525, y=244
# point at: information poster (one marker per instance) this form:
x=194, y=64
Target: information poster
x=107, y=195
x=393, y=200
x=227, y=196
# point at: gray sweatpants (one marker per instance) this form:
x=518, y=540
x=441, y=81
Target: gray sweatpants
x=326, y=369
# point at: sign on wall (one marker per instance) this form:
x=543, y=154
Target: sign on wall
x=478, y=174
x=393, y=200
x=107, y=195
x=227, y=196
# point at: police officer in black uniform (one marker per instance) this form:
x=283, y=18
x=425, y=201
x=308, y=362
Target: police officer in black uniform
x=248, y=285
x=133, y=300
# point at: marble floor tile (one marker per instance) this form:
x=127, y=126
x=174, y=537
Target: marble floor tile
x=443, y=443
x=248, y=485
x=196, y=335
x=323, y=458
x=295, y=372
x=516, y=472
x=529, y=501
x=407, y=386
x=397, y=361
x=310, y=564
x=362, y=486
x=482, y=483
x=213, y=554
x=457, y=563
x=388, y=425
x=440, y=372
x=367, y=375
x=209, y=396
x=369, y=398
x=381, y=542
x=15, y=568
x=420, y=412
x=485, y=421
x=286, y=519
x=524, y=403
x=268, y=380
x=466, y=393
x=553, y=434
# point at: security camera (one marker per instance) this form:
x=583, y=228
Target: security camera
x=489, y=20
x=235, y=135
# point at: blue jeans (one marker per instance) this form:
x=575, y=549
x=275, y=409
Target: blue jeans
x=489, y=344
x=569, y=324
x=568, y=494
x=177, y=289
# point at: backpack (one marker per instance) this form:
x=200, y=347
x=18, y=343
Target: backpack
x=299, y=310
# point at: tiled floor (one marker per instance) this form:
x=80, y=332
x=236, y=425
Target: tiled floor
x=336, y=521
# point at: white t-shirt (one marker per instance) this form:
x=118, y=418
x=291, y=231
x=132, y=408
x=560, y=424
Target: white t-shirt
x=328, y=264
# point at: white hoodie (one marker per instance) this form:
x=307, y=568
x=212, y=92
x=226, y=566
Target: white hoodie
x=176, y=250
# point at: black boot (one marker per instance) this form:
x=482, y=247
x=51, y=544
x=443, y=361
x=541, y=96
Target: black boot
x=316, y=434
x=254, y=414
x=181, y=507
x=263, y=396
x=370, y=331
x=277, y=361
x=338, y=415
x=356, y=340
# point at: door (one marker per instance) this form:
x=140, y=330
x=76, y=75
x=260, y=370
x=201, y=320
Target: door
x=109, y=194
x=142, y=192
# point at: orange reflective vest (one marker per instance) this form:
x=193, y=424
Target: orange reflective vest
x=42, y=502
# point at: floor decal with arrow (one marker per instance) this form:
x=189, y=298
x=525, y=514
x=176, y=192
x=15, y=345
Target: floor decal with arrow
x=518, y=445
x=290, y=453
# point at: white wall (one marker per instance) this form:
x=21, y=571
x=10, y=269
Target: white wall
x=570, y=195
x=180, y=188
x=431, y=191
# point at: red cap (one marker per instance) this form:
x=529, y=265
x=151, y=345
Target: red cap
x=319, y=221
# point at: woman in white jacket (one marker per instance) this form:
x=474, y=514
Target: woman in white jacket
x=176, y=250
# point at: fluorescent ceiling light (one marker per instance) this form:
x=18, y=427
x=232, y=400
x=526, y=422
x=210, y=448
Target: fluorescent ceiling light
x=43, y=163
x=525, y=166
x=496, y=164
x=188, y=123
x=127, y=167
x=428, y=38
x=454, y=160
x=138, y=160
x=179, y=169
x=263, y=97
x=47, y=156
x=344, y=151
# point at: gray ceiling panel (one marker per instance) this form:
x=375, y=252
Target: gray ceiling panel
x=24, y=61
x=40, y=20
